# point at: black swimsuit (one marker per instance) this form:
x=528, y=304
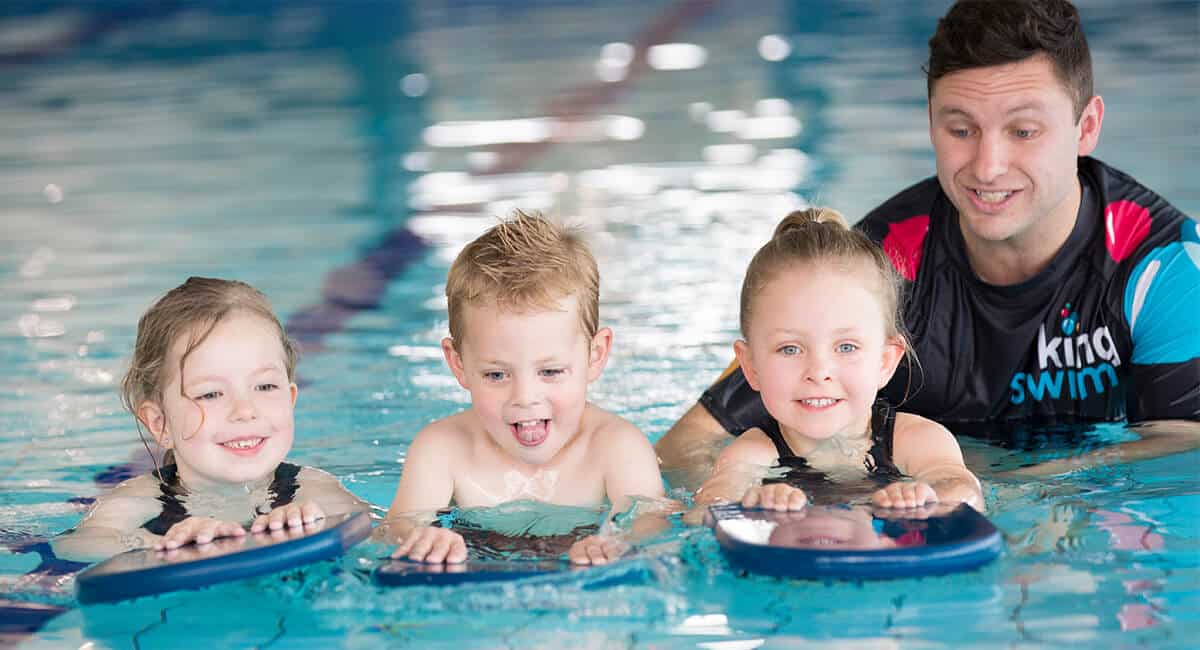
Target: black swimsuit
x=282, y=491
x=819, y=486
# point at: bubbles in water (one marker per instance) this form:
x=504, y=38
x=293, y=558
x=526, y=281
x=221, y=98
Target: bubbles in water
x=774, y=47
x=414, y=85
x=53, y=193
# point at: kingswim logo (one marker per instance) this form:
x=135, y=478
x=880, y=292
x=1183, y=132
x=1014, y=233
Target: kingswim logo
x=1076, y=363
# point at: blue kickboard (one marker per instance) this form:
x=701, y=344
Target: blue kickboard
x=146, y=572
x=830, y=543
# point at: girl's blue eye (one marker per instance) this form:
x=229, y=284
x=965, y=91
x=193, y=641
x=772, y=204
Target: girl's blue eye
x=789, y=350
x=494, y=375
x=553, y=372
x=846, y=348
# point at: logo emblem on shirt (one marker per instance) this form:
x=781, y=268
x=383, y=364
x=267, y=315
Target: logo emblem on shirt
x=1069, y=320
x=1074, y=365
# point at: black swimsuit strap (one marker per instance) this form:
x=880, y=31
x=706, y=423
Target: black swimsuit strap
x=281, y=491
x=782, y=449
x=883, y=428
x=879, y=456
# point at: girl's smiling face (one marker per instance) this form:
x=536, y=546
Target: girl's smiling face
x=817, y=350
x=229, y=413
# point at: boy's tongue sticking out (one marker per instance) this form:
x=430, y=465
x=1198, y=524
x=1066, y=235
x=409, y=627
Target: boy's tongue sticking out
x=531, y=433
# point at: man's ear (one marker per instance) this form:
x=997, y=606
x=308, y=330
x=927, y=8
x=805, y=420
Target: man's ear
x=155, y=421
x=598, y=350
x=1089, y=125
x=893, y=352
x=742, y=350
x=454, y=361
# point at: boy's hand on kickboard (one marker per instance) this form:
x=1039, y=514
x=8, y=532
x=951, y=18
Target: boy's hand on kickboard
x=200, y=530
x=292, y=515
x=904, y=494
x=777, y=496
x=433, y=546
x=596, y=550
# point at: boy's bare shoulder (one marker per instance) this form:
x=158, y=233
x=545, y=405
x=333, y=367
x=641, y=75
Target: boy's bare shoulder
x=453, y=432
x=607, y=428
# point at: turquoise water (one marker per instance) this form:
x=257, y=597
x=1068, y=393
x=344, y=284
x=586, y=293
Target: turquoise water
x=320, y=152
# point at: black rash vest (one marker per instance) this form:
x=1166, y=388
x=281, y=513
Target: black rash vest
x=1110, y=329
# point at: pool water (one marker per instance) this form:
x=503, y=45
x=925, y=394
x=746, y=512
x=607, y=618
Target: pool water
x=338, y=155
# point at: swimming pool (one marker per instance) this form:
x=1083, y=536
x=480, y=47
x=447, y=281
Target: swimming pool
x=337, y=158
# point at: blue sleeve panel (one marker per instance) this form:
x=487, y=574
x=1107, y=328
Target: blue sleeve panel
x=1162, y=307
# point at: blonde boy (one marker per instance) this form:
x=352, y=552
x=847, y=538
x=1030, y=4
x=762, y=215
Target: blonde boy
x=525, y=342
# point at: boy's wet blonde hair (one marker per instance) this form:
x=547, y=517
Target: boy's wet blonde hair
x=192, y=309
x=524, y=263
x=823, y=235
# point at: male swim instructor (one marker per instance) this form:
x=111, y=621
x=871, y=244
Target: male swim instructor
x=1042, y=286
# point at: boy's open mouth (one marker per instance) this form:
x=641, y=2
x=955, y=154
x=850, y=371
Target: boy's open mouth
x=531, y=433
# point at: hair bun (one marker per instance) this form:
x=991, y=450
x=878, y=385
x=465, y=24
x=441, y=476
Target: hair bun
x=801, y=219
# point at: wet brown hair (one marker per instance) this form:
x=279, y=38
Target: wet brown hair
x=524, y=263
x=983, y=33
x=192, y=309
x=821, y=235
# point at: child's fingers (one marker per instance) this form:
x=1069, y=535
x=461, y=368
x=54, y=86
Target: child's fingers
x=596, y=554
x=228, y=529
x=311, y=512
x=581, y=551
x=768, y=497
x=294, y=515
x=907, y=494
x=458, y=550
x=752, y=498
x=693, y=517
x=925, y=494
x=177, y=535
x=421, y=547
x=433, y=545
x=786, y=497
x=782, y=497
x=882, y=497
x=440, y=549
x=596, y=550
x=577, y=554
x=797, y=499
x=260, y=524
x=404, y=545
x=614, y=549
x=284, y=516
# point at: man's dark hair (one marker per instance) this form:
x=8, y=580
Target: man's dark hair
x=982, y=33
